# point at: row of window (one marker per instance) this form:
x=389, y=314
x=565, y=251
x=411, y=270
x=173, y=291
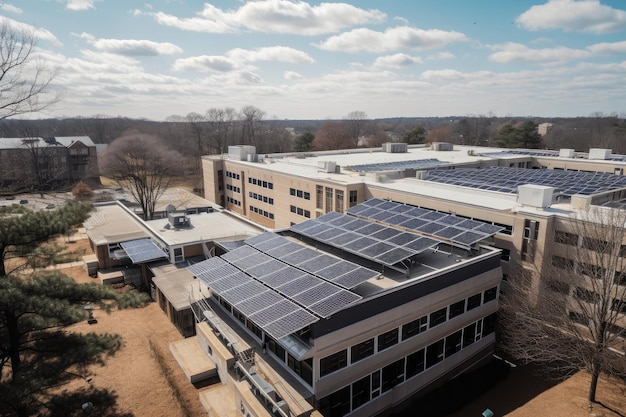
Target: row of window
x=261, y=212
x=360, y=392
x=233, y=188
x=299, y=193
x=300, y=211
x=263, y=198
x=592, y=271
x=385, y=340
x=261, y=183
x=593, y=244
x=233, y=201
x=584, y=320
x=233, y=175
x=83, y=151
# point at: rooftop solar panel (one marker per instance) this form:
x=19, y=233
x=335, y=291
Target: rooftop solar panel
x=302, y=255
x=273, y=312
x=290, y=323
x=142, y=250
x=320, y=262
x=282, y=276
x=336, y=302
x=299, y=285
x=394, y=256
x=314, y=294
x=344, y=238
x=253, y=241
x=243, y=292
x=207, y=264
x=354, y=277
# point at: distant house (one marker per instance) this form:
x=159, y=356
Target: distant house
x=28, y=164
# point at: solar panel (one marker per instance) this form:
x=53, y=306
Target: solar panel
x=386, y=233
x=207, y=264
x=333, y=271
x=314, y=294
x=355, y=277
x=376, y=249
x=448, y=232
x=142, y=250
x=299, y=256
x=253, y=260
x=284, y=250
x=359, y=244
x=229, y=282
x=290, y=323
x=336, y=302
x=273, y=312
x=282, y=276
x=318, y=263
x=211, y=275
x=394, y=256
x=239, y=253
x=299, y=285
x=470, y=238
x=344, y=238
x=263, y=237
x=259, y=302
x=241, y=293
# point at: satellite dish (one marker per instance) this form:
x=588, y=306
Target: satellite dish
x=170, y=208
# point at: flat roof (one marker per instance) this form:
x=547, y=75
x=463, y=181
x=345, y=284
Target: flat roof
x=176, y=284
x=111, y=223
x=215, y=226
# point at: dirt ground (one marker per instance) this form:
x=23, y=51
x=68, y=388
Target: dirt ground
x=149, y=382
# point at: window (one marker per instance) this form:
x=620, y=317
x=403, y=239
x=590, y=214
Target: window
x=329, y=199
x=362, y=350
x=529, y=243
x=565, y=238
x=414, y=363
x=333, y=362
x=489, y=324
x=392, y=375
x=453, y=343
x=178, y=255
x=319, y=197
x=490, y=294
x=375, y=384
x=361, y=392
x=438, y=317
x=562, y=263
x=505, y=255
x=353, y=198
x=339, y=201
x=414, y=327
x=387, y=339
x=456, y=309
x=336, y=404
x=434, y=353
x=473, y=301
x=469, y=335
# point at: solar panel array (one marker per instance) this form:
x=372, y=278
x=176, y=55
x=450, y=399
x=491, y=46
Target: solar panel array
x=399, y=165
x=279, y=297
x=338, y=271
x=383, y=244
x=453, y=228
x=542, y=152
x=506, y=180
x=142, y=250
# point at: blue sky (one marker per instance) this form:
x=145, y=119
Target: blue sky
x=318, y=60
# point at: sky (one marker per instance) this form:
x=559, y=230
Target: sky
x=323, y=60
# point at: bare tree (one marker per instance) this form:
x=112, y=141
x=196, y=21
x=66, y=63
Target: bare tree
x=332, y=136
x=250, y=119
x=145, y=165
x=197, y=127
x=378, y=138
x=222, y=127
x=356, y=123
x=24, y=80
x=572, y=317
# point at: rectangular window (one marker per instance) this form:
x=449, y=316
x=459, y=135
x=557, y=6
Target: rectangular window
x=333, y=362
x=319, y=197
x=434, y=353
x=473, y=301
x=353, y=198
x=453, y=343
x=339, y=201
x=336, y=404
x=529, y=243
x=375, y=384
x=456, y=309
x=489, y=324
x=362, y=350
x=438, y=317
x=361, y=392
x=387, y=339
x=392, y=375
x=490, y=294
x=562, y=263
x=469, y=335
x=292, y=191
x=414, y=327
x=329, y=200
x=415, y=363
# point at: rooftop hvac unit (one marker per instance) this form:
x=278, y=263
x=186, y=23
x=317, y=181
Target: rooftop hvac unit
x=442, y=146
x=566, y=153
x=597, y=153
x=240, y=152
x=327, y=166
x=533, y=195
x=421, y=175
x=177, y=220
x=395, y=147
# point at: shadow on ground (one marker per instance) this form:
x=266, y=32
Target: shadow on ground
x=495, y=386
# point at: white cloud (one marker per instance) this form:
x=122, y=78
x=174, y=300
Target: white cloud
x=271, y=53
x=79, y=4
x=204, y=63
x=41, y=34
x=402, y=37
x=452, y=74
x=511, y=52
x=396, y=61
x=441, y=55
x=608, y=48
x=132, y=47
x=573, y=16
x=5, y=7
x=275, y=16
x=292, y=76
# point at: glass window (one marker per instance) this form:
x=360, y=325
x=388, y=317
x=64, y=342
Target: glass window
x=414, y=363
x=456, y=309
x=469, y=334
x=473, y=301
x=490, y=294
x=438, y=317
x=387, y=339
x=361, y=392
x=333, y=362
x=392, y=375
x=434, y=353
x=362, y=350
x=414, y=327
x=453, y=343
x=336, y=404
x=489, y=324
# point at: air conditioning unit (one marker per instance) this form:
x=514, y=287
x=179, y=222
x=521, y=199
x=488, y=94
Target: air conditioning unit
x=327, y=166
x=421, y=175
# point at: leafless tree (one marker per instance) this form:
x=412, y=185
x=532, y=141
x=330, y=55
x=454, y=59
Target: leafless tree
x=250, y=117
x=356, y=123
x=572, y=318
x=24, y=80
x=332, y=136
x=222, y=127
x=144, y=164
x=378, y=138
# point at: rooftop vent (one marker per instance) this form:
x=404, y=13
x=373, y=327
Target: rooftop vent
x=327, y=166
x=395, y=147
x=241, y=152
x=566, y=153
